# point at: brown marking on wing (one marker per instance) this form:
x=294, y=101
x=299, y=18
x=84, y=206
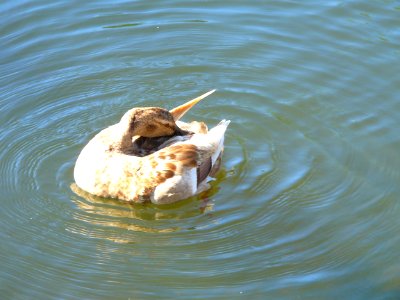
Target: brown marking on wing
x=168, y=174
x=185, y=154
x=190, y=163
x=171, y=166
x=162, y=176
x=156, y=168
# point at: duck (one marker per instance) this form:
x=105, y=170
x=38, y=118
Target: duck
x=150, y=155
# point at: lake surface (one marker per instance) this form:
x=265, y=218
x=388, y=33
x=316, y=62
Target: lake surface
x=307, y=203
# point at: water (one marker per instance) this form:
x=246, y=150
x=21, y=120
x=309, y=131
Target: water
x=306, y=206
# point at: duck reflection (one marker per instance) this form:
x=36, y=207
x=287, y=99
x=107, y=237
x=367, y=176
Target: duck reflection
x=113, y=213
x=120, y=221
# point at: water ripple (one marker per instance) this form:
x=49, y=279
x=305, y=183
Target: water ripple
x=306, y=199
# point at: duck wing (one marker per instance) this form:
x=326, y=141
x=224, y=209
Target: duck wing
x=178, y=171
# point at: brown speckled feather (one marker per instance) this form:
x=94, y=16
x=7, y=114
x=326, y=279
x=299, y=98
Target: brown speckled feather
x=156, y=168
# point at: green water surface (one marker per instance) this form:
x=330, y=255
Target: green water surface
x=307, y=203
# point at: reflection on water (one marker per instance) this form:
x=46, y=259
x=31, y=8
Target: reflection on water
x=147, y=211
x=101, y=214
x=129, y=216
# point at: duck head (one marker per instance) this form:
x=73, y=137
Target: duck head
x=153, y=122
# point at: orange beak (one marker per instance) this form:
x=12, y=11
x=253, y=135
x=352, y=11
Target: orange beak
x=180, y=110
